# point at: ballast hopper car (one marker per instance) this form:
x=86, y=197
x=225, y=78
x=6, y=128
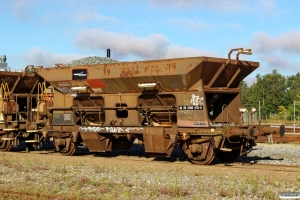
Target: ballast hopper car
x=193, y=103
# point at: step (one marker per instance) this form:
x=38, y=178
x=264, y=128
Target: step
x=9, y=129
x=7, y=139
x=31, y=141
x=32, y=131
x=225, y=149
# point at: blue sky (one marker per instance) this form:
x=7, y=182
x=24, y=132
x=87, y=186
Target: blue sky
x=45, y=32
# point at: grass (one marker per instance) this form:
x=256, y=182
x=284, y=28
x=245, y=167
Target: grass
x=34, y=179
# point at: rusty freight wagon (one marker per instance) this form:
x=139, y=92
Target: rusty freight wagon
x=192, y=102
x=23, y=105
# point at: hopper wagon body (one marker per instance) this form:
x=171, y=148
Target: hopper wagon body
x=193, y=103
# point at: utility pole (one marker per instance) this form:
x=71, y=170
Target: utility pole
x=258, y=110
x=294, y=116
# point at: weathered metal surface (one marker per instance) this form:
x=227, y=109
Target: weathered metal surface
x=9, y=78
x=20, y=94
x=172, y=74
x=162, y=102
x=96, y=142
x=188, y=102
x=157, y=141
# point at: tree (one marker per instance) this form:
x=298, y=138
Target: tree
x=270, y=90
x=246, y=102
x=297, y=107
x=282, y=112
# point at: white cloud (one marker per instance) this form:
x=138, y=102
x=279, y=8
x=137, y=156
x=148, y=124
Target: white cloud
x=153, y=46
x=280, y=52
x=288, y=42
x=38, y=56
x=282, y=64
x=20, y=9
x=275, y=61
x=228, y=5
x=267, y=6
x=177, y=51
x=197, y=24
x=35, y=10
x=89, y=16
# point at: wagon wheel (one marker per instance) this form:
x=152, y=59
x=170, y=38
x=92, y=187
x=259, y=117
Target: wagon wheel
x=71, y=150
x=208, y=158
x=228, y=157
x=5, y=145
x=62, y=148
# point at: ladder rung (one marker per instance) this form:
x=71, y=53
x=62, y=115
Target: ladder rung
x=30, y=141
x=9, y=129
x=32, y=131
x=7, y=138
x=225, y=149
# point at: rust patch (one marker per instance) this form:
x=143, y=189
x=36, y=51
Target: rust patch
x=146, y=69
x=106, y=70
x=30, y=81
x=170, y=66
x=96, y=83
x=127, y=72
x=155, y=69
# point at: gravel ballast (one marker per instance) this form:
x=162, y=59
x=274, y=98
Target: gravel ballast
x=283, y=154
x=91, y=60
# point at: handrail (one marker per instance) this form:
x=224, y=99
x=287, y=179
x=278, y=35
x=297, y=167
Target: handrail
x=6, y=92
x=41, y=91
